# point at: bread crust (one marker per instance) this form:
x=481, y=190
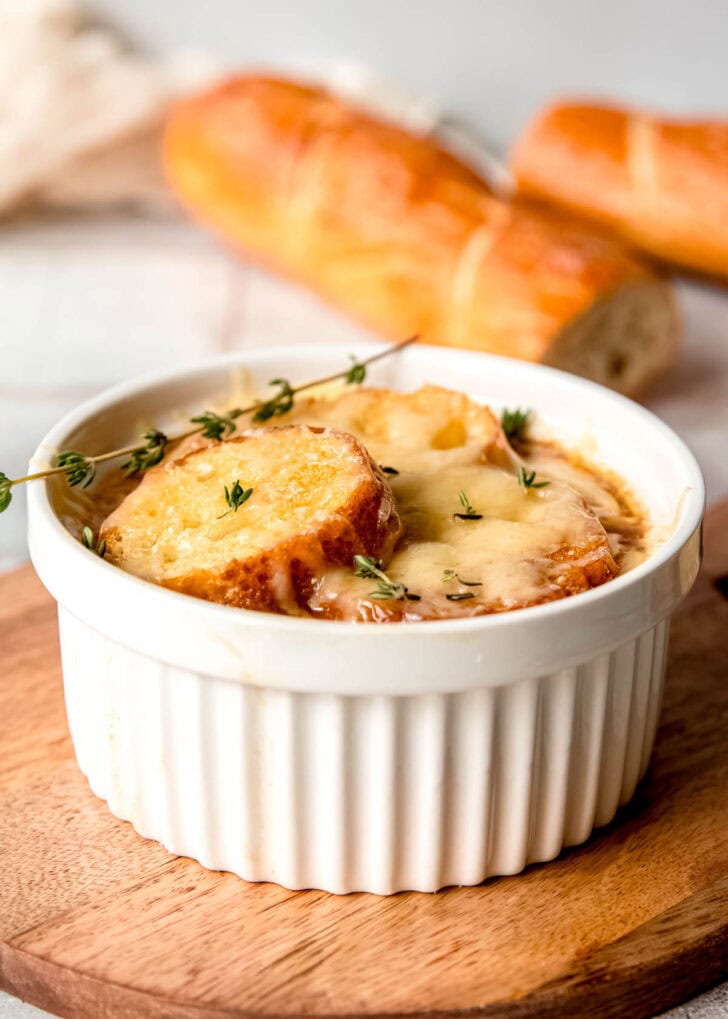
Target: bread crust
x=278, y=575
x=657, y=183
x=390, y=227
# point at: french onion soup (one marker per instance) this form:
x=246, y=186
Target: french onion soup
x=371, y=505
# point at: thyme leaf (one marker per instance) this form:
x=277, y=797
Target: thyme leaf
x=386, y=589
x=513, y=423
x=357, y=373
x=235, y=496
x=148, y=455
x=214, y=426
x=527, y=479
x=367, y=567
x=279, y=404
x=469, y=512
x=6, y=496
x=88, y=541
x=449, y=575
x=79, y=469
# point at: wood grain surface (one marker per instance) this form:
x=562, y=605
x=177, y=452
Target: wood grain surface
x=96, y=921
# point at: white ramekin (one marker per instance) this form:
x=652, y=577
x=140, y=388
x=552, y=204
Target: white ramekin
x=355, y=757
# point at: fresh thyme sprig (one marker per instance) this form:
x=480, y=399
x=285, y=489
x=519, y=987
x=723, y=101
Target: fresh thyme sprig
x=214, y=426
x=282, y=402
x=80, y=469
x=371, y=569
x=513, y=423
x=527, y=479
x=279, y=404
x=88, y=541
x=449, y=575
x=470, y=513
x=235, y=496
x=148, y=455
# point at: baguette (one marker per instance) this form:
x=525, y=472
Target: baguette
x=317, y=500
x=659, y=184
x=401, y=235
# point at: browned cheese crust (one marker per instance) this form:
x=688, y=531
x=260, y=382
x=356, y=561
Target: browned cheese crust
x=570, y=570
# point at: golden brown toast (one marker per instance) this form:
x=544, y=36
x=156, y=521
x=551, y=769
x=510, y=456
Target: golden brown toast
x=317, y=500
x=400, y=429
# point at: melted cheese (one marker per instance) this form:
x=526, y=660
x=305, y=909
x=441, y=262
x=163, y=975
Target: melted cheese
x=513, y=556
x=526, y=547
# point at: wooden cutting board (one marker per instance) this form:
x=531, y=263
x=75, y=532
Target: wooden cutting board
x=96, y=921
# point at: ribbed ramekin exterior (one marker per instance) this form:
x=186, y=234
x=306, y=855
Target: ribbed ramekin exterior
x=361, y=793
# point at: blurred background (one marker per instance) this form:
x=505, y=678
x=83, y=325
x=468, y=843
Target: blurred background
x=101, y=275
x=492, y=63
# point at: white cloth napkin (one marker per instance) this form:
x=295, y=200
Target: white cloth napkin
x=79, y=112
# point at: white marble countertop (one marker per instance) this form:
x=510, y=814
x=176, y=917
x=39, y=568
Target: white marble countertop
x=88, y=302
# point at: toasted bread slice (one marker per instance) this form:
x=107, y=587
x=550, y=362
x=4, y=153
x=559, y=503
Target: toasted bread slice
x=317, y=501
x=405, y=427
